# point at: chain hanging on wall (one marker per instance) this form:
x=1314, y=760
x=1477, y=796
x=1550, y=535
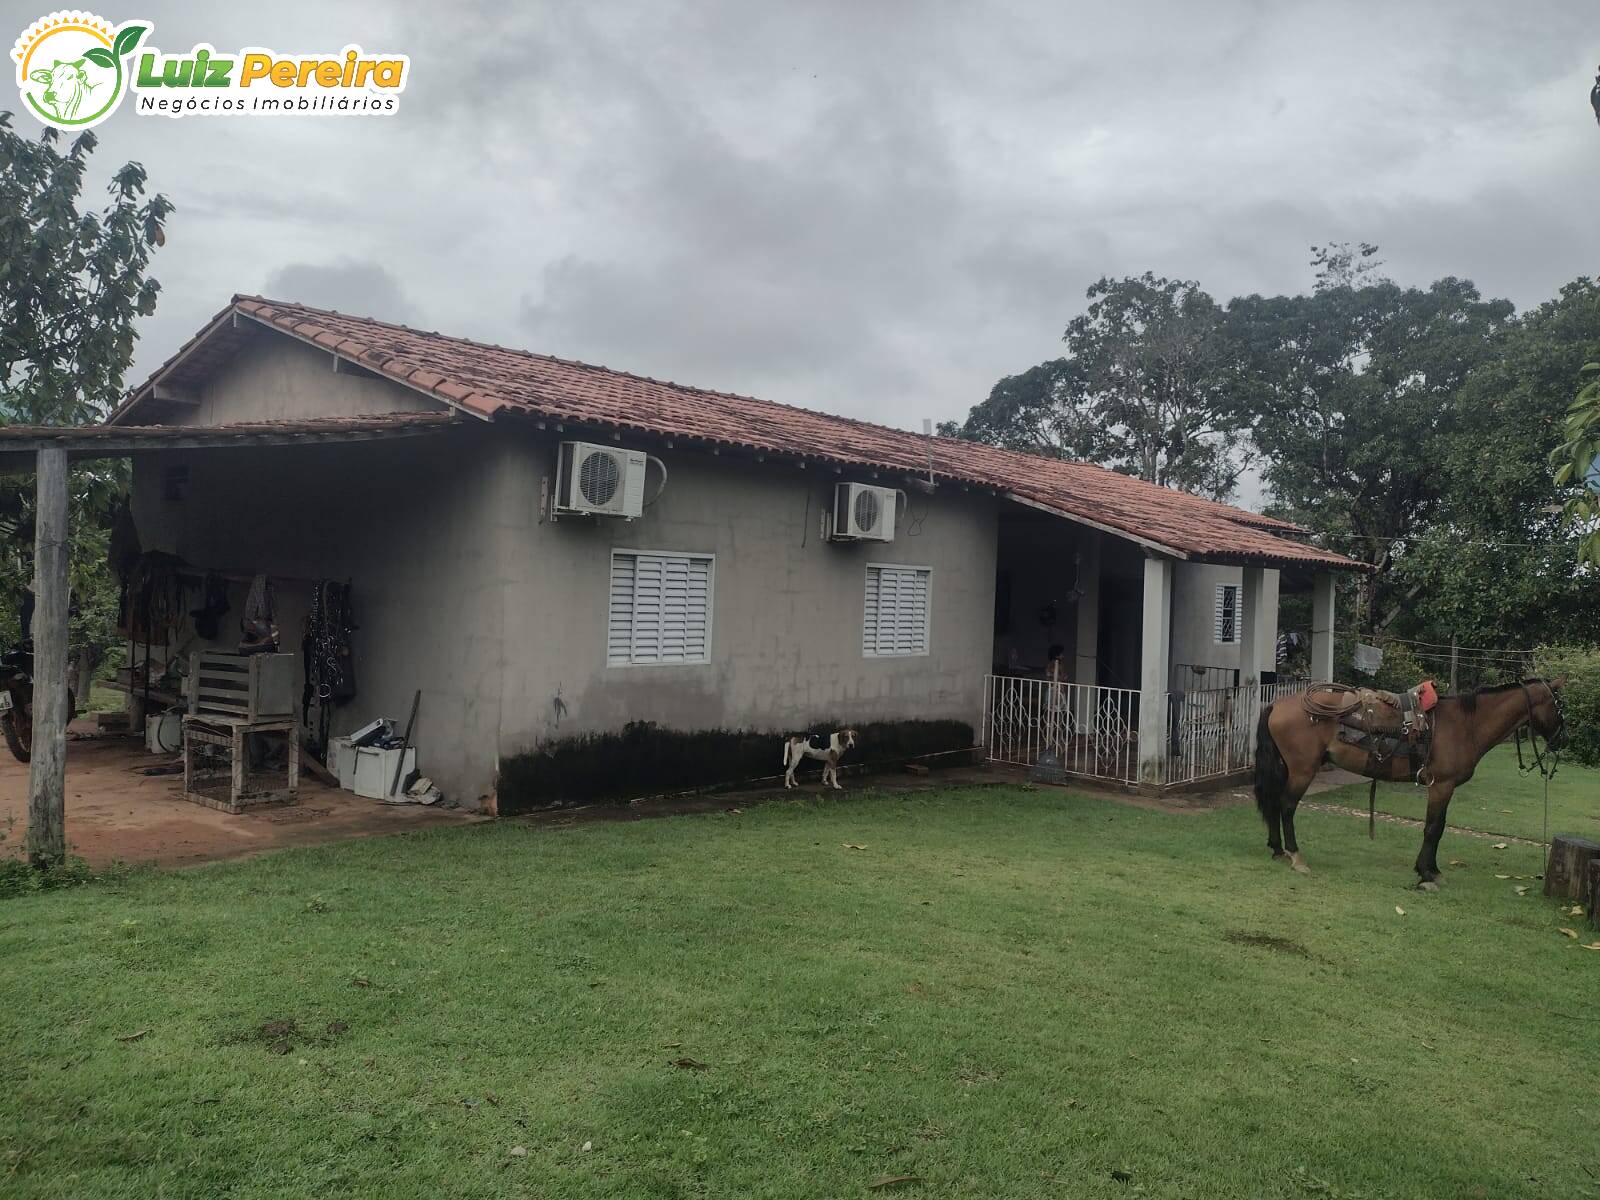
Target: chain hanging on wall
x=327, y=656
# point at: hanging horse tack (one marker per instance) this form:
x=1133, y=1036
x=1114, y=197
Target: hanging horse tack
x=327, y=654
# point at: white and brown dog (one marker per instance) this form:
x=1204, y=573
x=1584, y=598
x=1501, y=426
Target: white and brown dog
x=829, y=749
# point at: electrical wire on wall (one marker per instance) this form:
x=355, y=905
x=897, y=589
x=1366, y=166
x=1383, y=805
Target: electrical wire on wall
x=913, y=521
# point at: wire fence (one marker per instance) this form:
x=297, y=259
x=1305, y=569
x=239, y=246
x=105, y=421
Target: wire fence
x=1455, y=668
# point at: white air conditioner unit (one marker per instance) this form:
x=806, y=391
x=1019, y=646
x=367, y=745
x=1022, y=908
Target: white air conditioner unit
x=863, y=513
x=604, y=481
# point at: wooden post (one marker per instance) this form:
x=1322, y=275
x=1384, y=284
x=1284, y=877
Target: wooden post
x=47, y=773
x=83, y=668
x=1455, y=658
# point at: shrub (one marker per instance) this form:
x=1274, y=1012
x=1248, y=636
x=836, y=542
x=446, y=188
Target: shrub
x=1579, y=666
x=18, y=877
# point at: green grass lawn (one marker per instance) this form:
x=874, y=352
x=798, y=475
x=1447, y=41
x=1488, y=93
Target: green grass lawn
x=1003, y=992
x=103, y=699
x=1498, y=799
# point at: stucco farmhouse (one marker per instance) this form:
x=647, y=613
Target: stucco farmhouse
x=597, y=580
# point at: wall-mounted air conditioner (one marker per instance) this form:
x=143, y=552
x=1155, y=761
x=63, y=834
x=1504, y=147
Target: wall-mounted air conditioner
x=603, y=481
x=863, y=513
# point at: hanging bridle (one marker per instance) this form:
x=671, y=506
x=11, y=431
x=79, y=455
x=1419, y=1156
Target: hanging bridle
x=1535, y=753
x=1547, y=773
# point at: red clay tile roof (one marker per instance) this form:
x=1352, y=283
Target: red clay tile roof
x=487, y=381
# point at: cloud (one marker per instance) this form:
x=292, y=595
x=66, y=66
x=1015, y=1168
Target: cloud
x=345, y=285
x=874, y=209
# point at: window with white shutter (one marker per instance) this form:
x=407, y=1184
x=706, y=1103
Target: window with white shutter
x=1230, y=613
x=660, y=609
x=895, y=618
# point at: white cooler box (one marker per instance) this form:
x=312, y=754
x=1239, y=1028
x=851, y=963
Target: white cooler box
x=342, y=762
x=372, y=770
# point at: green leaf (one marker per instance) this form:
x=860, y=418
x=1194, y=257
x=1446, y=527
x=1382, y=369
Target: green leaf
x=129, y=38
x=100, y=57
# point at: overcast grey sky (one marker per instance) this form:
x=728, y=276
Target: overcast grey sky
x=872, y=208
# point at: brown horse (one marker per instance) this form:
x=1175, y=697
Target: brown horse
x=1291, y=744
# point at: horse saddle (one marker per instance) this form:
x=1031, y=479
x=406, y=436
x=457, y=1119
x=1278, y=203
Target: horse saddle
x=1388, y=723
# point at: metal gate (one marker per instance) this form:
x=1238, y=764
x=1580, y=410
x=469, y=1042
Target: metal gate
x=1091, y=731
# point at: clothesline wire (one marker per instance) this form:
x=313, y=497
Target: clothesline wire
x=1373, y=537
x=1386, y=637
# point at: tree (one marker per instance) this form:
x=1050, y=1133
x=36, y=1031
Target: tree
x=1347, y=392
x=1339, y=264
x=1498, y=566
x=1577, y=465
x=1142, y=390
x=72, y=284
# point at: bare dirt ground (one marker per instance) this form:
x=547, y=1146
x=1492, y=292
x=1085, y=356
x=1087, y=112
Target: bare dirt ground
x=116, y=814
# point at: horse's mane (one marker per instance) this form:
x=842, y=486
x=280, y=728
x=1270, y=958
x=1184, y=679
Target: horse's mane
x=1469, y=700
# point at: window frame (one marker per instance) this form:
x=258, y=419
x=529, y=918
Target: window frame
x=927, y=614
x=711, y=605
x=1238, y=615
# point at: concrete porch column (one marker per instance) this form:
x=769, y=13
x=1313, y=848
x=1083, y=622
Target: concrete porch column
x=1086, y=645
x=1155, y=656
x=1252, y=624
x=1253, y=629
x=1322, y=626
x=1085, y=660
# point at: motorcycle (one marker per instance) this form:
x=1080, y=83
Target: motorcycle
x=16, y=701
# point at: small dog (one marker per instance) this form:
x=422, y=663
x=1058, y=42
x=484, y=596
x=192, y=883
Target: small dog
x=830, y=750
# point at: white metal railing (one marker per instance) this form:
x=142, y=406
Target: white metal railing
x=1091, y=731
x=1284, y=687
x=1094, y=731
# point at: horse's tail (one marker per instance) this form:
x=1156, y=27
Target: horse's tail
x=1272, y=773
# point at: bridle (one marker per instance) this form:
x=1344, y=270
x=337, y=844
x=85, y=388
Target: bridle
x=1550, y=748
x=1549, y=744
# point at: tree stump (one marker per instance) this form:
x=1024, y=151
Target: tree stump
x=1566, y=874
x=1592, y=902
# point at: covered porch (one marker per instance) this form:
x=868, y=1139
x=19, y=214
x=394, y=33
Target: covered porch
x=224, y=493
x=1118, y=660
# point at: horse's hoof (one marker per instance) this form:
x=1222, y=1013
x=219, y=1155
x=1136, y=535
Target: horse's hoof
x=1427, y=885
x=1298, y=865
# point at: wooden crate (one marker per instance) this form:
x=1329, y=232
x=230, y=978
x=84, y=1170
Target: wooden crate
x=245, y=687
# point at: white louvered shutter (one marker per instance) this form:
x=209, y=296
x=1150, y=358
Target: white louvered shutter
x=619, y=625
x=869, y=616
x=697, y=627
x=660, y=609
x=895, y=616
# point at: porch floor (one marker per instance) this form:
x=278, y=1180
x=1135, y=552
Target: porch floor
x=114, y=813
